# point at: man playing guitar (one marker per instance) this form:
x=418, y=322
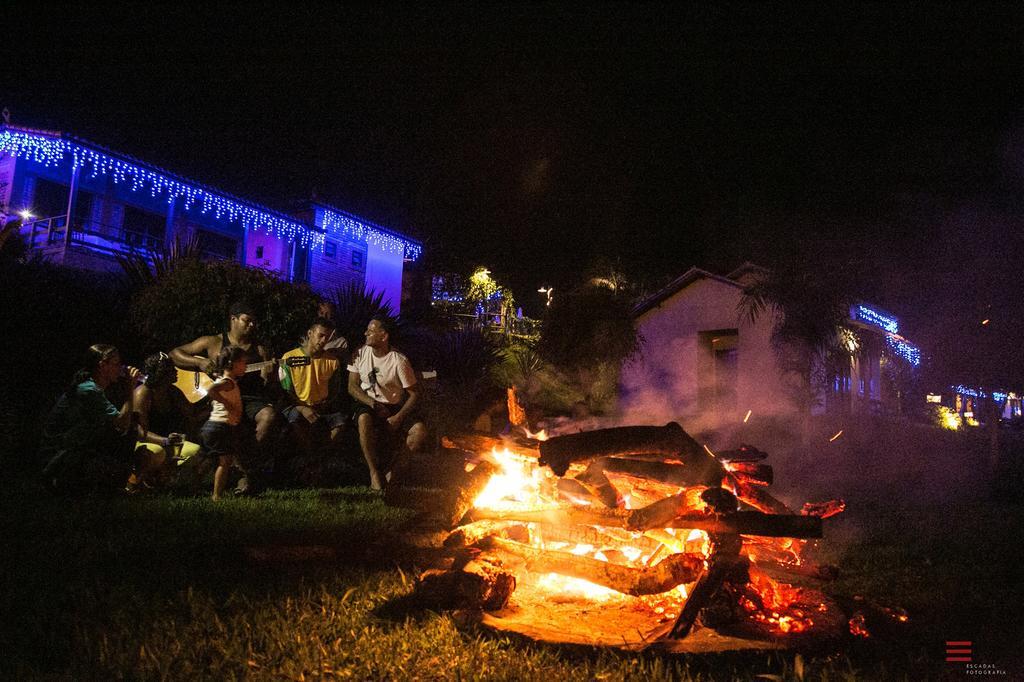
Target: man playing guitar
x=258, y=409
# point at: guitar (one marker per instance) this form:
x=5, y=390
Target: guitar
x=194, y=384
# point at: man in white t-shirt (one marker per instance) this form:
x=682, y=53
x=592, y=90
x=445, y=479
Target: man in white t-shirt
x=383, y=384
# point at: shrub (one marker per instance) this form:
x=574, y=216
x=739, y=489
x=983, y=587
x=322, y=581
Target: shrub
x=193, y=299
x=586, y=337
x=588, y=326
x=464, y=361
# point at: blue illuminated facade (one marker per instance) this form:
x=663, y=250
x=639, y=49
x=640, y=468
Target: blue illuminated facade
x=881, y=363
x=81, y=204
x=869, y=316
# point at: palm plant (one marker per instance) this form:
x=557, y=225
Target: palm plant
x=141, y=270
x=354, y=307
x=809, y=312
x=464, y=360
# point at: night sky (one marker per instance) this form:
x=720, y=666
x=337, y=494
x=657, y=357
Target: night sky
x=539, y=141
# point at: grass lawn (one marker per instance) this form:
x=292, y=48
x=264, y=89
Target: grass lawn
x=164, y=587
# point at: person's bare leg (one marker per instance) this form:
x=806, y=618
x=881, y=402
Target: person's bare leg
x=413, y=443
x=368, y=443
x=264, y=421
x=220, y=476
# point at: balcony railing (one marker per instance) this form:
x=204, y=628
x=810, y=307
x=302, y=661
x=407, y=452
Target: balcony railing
x=51, y=233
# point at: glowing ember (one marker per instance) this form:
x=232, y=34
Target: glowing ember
x=839, y=433
x=776, y=604
x=858, y=627
x=747, y=417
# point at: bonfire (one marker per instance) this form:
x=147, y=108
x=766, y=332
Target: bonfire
x=629, y=537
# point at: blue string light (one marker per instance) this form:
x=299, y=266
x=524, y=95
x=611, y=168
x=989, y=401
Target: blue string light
x=905, y=349
x=53, y=151
x=877, y=319
x=344, y=225
x=998, y=396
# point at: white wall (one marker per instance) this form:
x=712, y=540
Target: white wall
x=384, y=274
x=662, y=383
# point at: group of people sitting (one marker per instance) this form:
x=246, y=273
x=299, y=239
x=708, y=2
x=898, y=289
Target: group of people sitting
x=244, y=398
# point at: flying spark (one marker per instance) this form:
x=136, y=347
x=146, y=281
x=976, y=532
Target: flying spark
x=838, y=433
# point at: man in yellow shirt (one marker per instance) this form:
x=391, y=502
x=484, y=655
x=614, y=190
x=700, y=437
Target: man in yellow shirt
x=305, y=374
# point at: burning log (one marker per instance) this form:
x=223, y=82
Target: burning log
x=823, y=509
x=752, y=472
x=725, y=564
x=757, y=497
x=597, y=537
x=782, y=550
x=753, y=523
x=577, y=492
x=483, y=445
x=472, y=533
x=483, y=583
x=474, y=484
x=445, y=507
x=673, y=570
x=657, y=515
x=745, y=453
x=744, y=522
x=679, y=475
x=669, y=441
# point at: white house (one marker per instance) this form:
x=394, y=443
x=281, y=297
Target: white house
x=701, y=359
x=706, y=363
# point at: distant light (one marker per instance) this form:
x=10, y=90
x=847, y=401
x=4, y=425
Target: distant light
x=949, y=419
x=933, y=398
x=26, y=215
x=839, y=433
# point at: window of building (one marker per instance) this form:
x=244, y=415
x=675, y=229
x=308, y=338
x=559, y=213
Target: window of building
x=215, y=245
x=143, y=228
x=358, y=259
x=49, y=198
x=330, y=249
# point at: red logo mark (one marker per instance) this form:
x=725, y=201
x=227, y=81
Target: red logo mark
x=958, y=652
